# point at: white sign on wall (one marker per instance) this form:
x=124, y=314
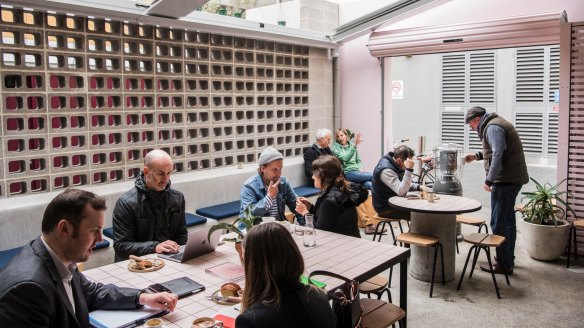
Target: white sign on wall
x=397, y=89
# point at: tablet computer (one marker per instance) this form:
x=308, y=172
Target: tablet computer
x=180, y=286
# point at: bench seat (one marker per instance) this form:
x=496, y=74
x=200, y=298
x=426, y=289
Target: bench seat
x=306, y=191
x=192, y=220
x=7, y=255
x=220, y=211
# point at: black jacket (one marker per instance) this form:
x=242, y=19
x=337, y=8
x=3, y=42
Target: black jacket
x=381, y=192
x=300, y=306
x=137, y=227
x=336, y=211
x=32, y=294
x=310, y=154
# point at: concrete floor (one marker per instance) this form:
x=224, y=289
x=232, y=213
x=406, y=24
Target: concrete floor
x=542, y=294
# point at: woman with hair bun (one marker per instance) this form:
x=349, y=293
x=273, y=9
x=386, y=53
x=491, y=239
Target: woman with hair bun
x=336, y=207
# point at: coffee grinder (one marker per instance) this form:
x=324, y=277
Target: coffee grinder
x=448, y=164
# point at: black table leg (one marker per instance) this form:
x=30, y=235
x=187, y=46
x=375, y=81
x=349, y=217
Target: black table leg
x=403, y=290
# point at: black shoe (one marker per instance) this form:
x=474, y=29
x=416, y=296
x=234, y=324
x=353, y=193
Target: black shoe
x=497, y=269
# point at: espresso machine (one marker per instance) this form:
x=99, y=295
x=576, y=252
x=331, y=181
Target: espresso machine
x=448, y=165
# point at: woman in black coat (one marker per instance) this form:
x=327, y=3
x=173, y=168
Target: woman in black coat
x=336, y=208
x=273, y=295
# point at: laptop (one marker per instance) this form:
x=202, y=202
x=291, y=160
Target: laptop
x=196, y=245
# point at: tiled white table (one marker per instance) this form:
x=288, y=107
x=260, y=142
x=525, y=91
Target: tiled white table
x=355, y=258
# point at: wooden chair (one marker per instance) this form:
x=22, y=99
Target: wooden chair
x=380, y=314
x=425, y=241
x=377, y=286
x=576, y=224
x=367, y=210
x=473, y=222
x=482, y=241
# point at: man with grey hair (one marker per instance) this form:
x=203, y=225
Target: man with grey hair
x=268, y=192
x=320, y=147
x=506, y=173
x=150, y=218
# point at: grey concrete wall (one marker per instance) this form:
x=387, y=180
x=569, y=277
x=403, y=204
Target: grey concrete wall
x=21, y=217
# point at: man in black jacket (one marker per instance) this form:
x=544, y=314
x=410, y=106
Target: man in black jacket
x=41, y=286
x=320, y=147
x=150, y=218
x=393, y=176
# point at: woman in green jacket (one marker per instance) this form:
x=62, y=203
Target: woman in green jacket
x=346, y=151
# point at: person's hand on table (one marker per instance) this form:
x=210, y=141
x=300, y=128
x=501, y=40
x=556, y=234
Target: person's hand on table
x=163, y=300
x=167, y=246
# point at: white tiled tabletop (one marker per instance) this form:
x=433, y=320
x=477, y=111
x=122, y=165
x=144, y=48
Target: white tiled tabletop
x=354, y=258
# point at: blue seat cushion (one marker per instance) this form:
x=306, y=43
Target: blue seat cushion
x=7, y=255
x=194, y=219
x=109, y=232
x=220, y=211
x=306, y=191
x=103, y=244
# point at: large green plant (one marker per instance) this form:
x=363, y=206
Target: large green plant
x=542, y=205
x=248, y=220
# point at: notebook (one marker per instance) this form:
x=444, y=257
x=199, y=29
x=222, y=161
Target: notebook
x=197, y=245
x=123, y=318
x=181, y=287
x=228, y=271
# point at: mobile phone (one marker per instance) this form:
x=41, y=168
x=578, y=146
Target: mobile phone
x=159, y=288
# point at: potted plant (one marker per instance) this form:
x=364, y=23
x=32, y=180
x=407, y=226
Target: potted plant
x=248, y=220
x=544, y=229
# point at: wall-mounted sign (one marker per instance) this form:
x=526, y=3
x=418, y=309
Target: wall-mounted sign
x=397, y=89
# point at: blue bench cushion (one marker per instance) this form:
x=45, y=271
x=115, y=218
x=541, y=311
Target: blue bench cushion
x=103, y=244
x=194, y=219
x=109, y=232
x=220, y=211
x=7, y=255
x=306, y=191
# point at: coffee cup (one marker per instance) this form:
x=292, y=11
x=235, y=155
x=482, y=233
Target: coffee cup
x=431, y=197
x=267, y=219
x=240, y=165
x=154, y=323
x=207, y=323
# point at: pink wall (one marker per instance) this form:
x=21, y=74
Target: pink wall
x=361, y=97
x=361, y=74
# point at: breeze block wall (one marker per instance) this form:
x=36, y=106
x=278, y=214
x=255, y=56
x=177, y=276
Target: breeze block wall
x=84, y=99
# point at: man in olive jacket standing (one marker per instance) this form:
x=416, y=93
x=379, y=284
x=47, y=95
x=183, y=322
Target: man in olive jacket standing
x=150, y=218
x=506, y=171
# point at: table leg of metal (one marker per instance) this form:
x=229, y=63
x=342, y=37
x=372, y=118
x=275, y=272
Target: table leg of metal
x=403, y=290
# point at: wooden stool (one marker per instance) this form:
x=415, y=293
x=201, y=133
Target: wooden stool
x=473, y=222
x=576, y=224
x=425, y=241
x=376, y=285
x=381, y=226
x=482, y=241
x=380, y=314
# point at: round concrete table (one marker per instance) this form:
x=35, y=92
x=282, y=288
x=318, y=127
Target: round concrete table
x=436, y=219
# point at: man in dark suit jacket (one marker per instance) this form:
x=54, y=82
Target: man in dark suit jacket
x=41, y=286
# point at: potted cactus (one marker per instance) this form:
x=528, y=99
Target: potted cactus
x=544, y=228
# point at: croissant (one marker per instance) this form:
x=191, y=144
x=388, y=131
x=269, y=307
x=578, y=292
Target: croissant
x=230, y=289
